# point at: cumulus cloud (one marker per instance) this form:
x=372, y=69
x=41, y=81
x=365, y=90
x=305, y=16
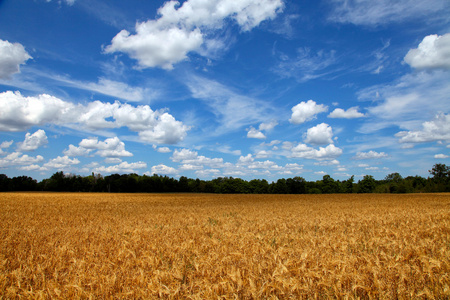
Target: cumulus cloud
x=5, y=144
x=306, y=111
x=370, y=155
x=12, y=55
x=179, y=30
x=262, y=154
x=373, y=13
x=435, y=130
x=33, y=141
x=441, y=156
x=17, y=113
x=111, y=147
x=330, y=152
x=156, y=47
x=433, y=53
x=351, y=113
x=19, y=159
x=162, y=169
x=188, y=157
x=245, y=160
x=257, y=133
x=123, y=167
x=61, y=162
x=162, y=149
x=76, y=151
x=319, y=135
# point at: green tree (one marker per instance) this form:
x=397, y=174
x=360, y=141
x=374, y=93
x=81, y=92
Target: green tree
x=329, y=185
x=367, y=184
x=395, y=183
x=440, y=172
x=296, y=185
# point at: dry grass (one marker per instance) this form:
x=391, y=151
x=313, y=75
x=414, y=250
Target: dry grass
x=56, y=245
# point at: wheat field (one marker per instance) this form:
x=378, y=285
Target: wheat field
x=203, y=246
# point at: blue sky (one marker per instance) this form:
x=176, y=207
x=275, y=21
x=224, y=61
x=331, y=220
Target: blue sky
x=251, y=89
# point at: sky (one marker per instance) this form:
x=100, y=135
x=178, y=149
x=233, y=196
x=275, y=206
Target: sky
x=204, y=89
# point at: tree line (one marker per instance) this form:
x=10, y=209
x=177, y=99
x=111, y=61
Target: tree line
x=439, y=181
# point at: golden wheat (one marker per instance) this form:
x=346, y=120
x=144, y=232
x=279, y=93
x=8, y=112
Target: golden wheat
x=58, y=245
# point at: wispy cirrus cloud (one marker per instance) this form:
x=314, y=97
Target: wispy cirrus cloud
x=233, y=110
x=307, y=65
x=373, y=13
x=407, y=102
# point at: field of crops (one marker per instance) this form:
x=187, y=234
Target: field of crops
x=176, y=246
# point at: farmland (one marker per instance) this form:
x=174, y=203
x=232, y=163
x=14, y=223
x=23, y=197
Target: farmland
x=203, y=246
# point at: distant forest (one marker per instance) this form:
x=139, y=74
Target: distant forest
x=439, y=181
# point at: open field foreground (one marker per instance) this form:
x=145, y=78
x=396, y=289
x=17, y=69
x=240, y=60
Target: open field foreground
x=60, y=245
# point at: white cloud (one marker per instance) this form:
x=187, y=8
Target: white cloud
x=188, y=157
x=351, y=113
x=32, y=168
x=123, y=167
x=435, y=130
x=231, y=109
x=5, y=144
x=11, y=57
x=321, y=134
x=188, y=167
x=307, y=65
x=262, y=154
x=61, y=162
x=68, y=2
x=162, y=169
x=33, y=141
x=207, y=173
x=330, y=152
x=255, y=134
x=162, y=149
x=113, y=160
x=245, y=160
x=373, y=13
x=370, y=155
x=433, y=53
x=76, y=151
x=268, y=126
x=111, y=147
x=166, y=131
x=19, y=159
x=184, y=154
x=183, y=29
x=372, y=169
x=17, y=113
x=227, y=149
x=306, y=111
x=408, y=102
x=156, y=47
x=333, y=162
x=111, y=88
x=441, y=156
